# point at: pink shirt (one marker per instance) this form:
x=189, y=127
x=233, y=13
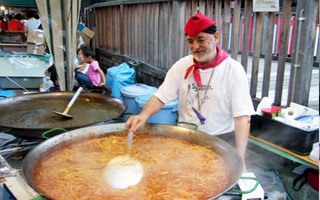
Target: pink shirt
x=93, y=74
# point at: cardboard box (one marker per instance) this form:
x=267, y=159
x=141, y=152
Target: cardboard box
x=35, y=48
x=85, y=38
x=36, y=37
x=84, y=30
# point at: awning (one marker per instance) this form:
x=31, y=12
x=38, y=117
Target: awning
x=18, y=3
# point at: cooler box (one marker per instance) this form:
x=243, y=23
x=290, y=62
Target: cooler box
x=294, y=139
x=167, y=115
x=129, y=94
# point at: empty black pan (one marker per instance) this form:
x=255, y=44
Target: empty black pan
x=31, y=115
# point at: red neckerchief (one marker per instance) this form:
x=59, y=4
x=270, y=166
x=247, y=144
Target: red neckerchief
x=221, y=56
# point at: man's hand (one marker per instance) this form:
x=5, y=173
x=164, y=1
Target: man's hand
x=135, y=122
x=150, y=108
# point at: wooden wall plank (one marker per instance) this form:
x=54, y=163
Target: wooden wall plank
x=147, y=21
x=161, y=35
x=283, y=51
x=218, y=19
x=156, y=35
x=175, y=31
x=194, y=7
x=256, y=54
x=166, y=13
x=246, y=33
x=106, y=29
x=143, y=32
x=236, y=29
x=268, y=55
x=188, y=15
x=118, y=26
x=122, y=30
x=170, y=41
x=132, y=31
x=182, y=22
x=210, y=8
x=226, y=24
x=113, y=33
x=98, y=29
x=152, y=33
x=138, y=31
x=126, y=29
x=202, y=7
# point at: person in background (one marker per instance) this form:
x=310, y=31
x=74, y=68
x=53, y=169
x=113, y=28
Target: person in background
x=3, y=24
x=212, y=88
x=10, y=17
x=36, y=16
x=52, y=73
x=95, y=77
x=15, y=24
x=32, y=23
x=81, y=66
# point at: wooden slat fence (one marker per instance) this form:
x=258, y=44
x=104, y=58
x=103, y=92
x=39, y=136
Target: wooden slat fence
x=152, y=32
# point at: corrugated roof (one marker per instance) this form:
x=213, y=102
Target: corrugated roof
x=18, y=3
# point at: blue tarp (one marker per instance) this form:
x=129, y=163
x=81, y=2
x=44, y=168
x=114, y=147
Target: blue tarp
x=6, y=93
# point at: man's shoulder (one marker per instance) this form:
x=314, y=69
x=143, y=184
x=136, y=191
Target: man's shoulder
x=186, y=61
x=232, y=63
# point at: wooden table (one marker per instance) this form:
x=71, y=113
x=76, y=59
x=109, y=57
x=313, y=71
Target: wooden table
x=283, y=152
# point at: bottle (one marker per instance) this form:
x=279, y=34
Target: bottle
x=41, y=89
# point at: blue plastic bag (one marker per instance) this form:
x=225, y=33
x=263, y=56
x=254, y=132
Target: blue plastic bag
x=119, y=77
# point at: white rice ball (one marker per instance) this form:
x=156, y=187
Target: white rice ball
x=122, y=172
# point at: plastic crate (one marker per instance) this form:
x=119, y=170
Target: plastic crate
x=288, y=137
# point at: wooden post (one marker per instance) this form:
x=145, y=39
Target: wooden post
x=256, y=54
x=226, y=24
x=307, y=42
x=268, y=55
x=236, y=29
x=283, y=51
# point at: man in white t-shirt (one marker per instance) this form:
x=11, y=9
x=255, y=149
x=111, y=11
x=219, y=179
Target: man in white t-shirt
x=212, y=88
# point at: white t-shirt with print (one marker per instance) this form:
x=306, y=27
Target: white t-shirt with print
x=227, y=96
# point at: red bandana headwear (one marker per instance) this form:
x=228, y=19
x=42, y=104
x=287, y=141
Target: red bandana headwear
x=198, y=23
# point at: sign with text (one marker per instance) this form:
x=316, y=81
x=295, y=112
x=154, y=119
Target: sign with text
x=265, y=5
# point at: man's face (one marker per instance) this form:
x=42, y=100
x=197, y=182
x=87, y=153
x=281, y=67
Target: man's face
x=203, y=47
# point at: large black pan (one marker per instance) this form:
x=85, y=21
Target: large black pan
x=31, y=115
x=227, y=152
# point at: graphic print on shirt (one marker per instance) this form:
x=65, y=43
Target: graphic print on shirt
x=197, y=96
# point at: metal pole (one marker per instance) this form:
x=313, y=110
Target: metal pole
x=296, y=59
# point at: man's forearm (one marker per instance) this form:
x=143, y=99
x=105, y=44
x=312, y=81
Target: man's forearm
x=242, y=134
